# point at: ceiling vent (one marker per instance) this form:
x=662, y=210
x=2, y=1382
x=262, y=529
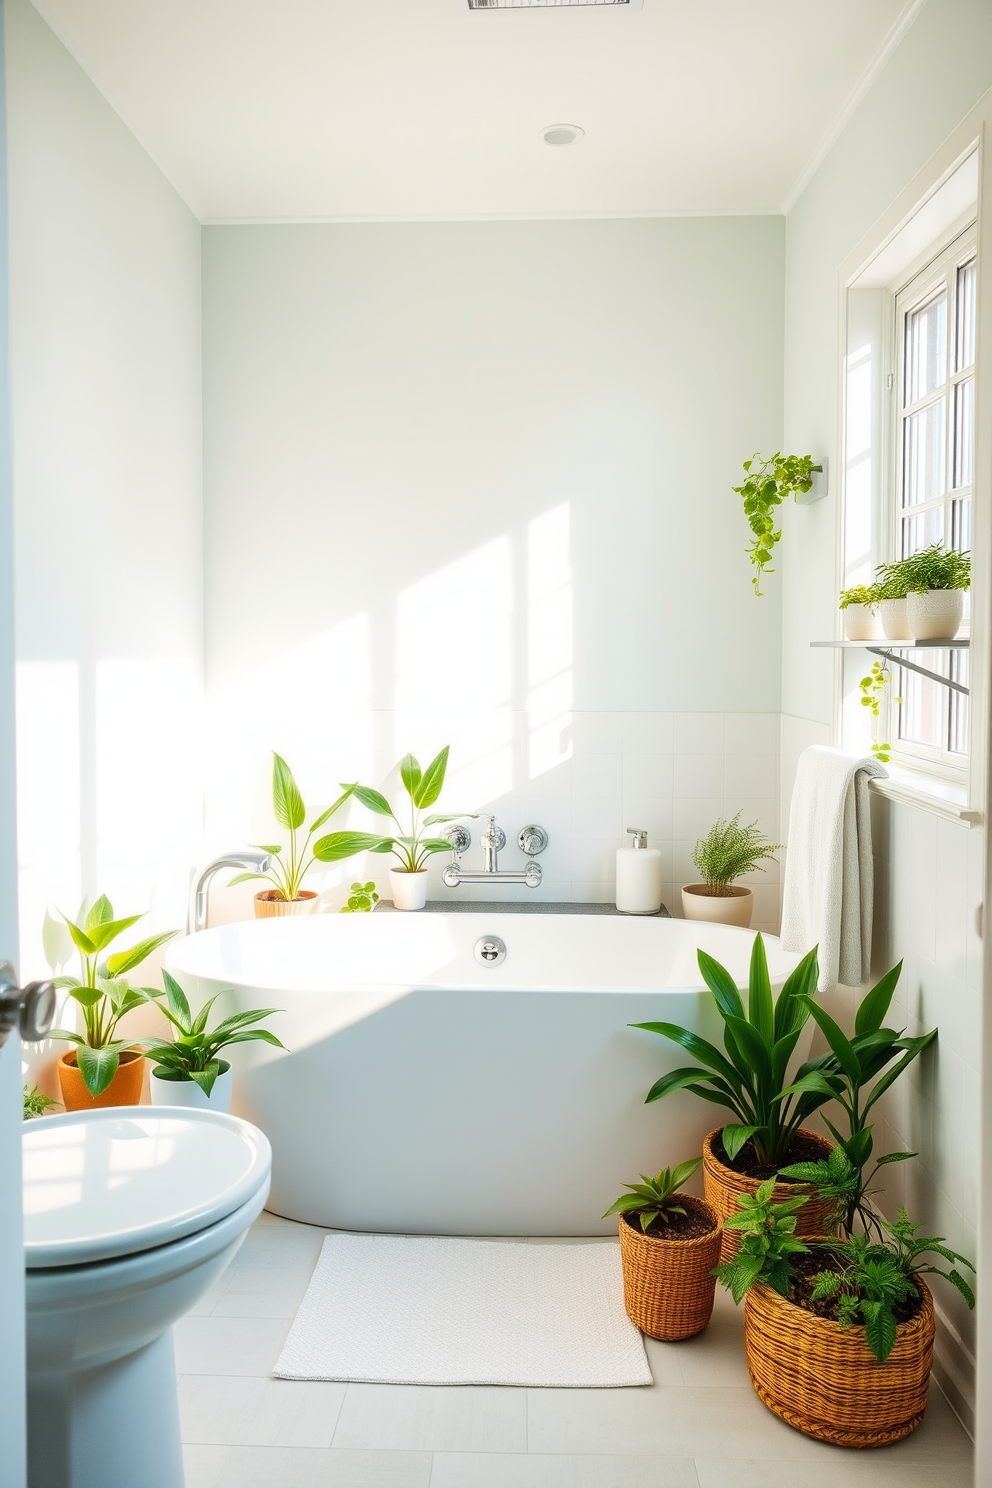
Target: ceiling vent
x=548, y=4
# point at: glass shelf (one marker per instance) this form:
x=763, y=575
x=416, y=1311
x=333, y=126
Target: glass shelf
x=886, y=648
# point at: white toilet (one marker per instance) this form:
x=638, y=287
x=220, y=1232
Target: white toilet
x=129, y=1215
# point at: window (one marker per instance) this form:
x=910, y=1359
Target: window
x=930, y=493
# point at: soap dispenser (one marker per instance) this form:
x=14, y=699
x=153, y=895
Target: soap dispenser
x=638, y=876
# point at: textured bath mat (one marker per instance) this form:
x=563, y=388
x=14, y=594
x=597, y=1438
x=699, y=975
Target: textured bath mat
x=408, y=1310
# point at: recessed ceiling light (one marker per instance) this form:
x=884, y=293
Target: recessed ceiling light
x=562, y=134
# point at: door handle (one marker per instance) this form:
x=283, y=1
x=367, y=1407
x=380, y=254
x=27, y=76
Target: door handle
x=30, y=1009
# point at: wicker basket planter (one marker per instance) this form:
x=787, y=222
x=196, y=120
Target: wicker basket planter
x=667, y=1286
x=827, y=1383
x=722, y=1185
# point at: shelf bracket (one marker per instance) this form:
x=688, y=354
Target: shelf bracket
x=885, y=652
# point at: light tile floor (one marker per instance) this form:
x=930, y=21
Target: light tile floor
x=698, y=1426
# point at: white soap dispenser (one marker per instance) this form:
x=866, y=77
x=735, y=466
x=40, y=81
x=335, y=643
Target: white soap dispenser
x=638, y=876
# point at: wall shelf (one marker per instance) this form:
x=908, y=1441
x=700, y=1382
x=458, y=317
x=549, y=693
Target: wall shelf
x=885, y=650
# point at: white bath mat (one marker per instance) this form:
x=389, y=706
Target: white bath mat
x=408, y=1310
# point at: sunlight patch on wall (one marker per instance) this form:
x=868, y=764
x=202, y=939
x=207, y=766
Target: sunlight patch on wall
x=858, y=452
x=549, y=641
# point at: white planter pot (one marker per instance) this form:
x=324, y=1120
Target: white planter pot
x=409, y=889
x=167, y=1092
x=861, y=623
x=734, y=908
x=935, y=615
x=895, y=621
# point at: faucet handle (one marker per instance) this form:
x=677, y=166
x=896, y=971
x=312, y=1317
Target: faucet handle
x=532, y=840
x=460, y=838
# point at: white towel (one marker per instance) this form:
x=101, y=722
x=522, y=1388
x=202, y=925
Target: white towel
x=827, y=900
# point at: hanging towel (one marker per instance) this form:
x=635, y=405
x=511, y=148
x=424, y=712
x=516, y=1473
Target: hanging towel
x=827, y=900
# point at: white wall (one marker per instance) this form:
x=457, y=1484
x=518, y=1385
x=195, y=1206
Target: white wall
x=468, y=481
x=928, y=872
x=105, y=308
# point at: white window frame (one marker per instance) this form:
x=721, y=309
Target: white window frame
x=938, y=271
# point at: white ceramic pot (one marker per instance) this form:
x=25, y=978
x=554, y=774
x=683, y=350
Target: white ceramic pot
x=861, y=623
x=936, y=614
x=270, y=904
x=169, y=1092
x=409, y=889
x=734, y=908
x=895, y=621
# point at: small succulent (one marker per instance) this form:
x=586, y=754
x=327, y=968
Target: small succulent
x=362, y=899
x=655, y=1198
x=35, y=1103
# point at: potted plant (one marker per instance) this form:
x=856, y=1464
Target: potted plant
x=669, y=1245
x=934, y=581
x=751, y=1081
x=838, y=1333
x=766, y=485
x=362, y=899
x=892, y=591
x=859, y=607
x=186, y=1070
x=35, y=1103
x=288, y=896
x=103, y=1070
x=412, y=848
x=728, y=851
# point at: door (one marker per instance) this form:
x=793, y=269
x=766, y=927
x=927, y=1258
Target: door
x=12, y=1411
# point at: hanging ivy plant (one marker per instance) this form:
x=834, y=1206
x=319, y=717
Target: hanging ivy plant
x=872, y=691
x=767, y=484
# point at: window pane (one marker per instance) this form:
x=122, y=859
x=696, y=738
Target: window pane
x=957, y=721
x=926, y=338
x=966, y=316
x=923, y=454
x=964, y=432
x=919, y=532
x=919, y=711
x=961, y=524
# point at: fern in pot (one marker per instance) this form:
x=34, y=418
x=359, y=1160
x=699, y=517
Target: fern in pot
x=859, y=608
x=727, y=852
x=933, y=581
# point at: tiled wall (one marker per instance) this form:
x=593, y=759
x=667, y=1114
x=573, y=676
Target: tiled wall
x=928, y=887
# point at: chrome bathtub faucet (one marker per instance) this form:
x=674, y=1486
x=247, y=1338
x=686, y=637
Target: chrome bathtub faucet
x=248, y=858
x=531, y=840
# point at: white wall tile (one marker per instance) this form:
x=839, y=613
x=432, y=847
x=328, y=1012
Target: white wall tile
x=648, y=733
x=700, y=733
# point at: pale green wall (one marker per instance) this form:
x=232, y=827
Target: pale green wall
x=940, y=69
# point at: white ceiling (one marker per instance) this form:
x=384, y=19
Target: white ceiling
x=330, y=110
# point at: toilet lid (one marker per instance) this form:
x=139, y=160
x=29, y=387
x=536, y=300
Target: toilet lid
x=105, y=1183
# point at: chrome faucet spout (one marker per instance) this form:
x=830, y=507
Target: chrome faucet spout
x=531, y=840
x=250, y=858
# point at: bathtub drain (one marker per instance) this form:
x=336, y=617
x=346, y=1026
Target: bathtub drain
x=490, y=950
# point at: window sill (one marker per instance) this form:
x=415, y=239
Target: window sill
x=930, y=793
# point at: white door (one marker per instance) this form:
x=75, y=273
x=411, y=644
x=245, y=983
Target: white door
x=12, y=1413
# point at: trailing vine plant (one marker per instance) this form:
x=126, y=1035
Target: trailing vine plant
x=872, y=691
x=766, y=485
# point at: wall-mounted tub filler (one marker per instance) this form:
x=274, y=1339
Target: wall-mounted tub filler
x=249, y=858
x=530, y=839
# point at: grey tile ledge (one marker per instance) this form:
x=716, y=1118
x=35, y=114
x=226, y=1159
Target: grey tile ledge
x=944, y=806
x=519, y=906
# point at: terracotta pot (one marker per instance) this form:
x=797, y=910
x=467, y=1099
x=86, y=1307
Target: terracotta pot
x=861, y=623
x=667, y=1286
x=409, y=889
x=166, y=1091
x=123, y=1090
x=734, y=908
x=722, y=1185
x=935, y=615
x=895, y=621
x=826, y=1382
x=270, y=904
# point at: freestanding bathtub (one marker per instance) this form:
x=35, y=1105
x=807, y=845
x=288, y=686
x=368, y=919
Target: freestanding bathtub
x=423, y=1092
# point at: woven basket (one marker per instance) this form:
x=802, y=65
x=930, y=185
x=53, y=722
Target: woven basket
x=722, y=1186
x=667, y=1286
x=827, y=1383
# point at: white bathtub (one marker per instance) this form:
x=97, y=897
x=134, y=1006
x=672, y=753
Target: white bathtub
x=424, y=1093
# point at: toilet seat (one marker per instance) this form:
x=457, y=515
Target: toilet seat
x=116, y=1181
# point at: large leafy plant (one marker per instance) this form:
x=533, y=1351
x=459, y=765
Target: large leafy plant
x=767, y=483
x=193, y=1053
x=412, y=848
x=728, y=851
x=288, y=871
x=655, y=1199
x=856, y=1072
x=749, y=1079
x=103, y=991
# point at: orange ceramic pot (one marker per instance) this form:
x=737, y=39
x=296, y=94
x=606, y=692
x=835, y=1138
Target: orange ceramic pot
x=270, y=903
x=123, y=1090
